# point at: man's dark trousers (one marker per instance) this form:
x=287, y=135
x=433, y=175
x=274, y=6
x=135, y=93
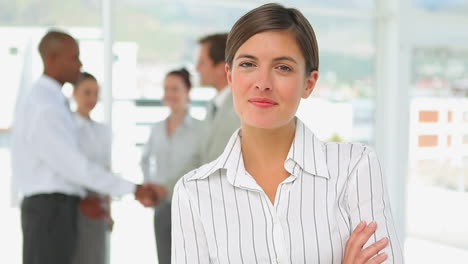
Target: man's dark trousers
x=49, y=223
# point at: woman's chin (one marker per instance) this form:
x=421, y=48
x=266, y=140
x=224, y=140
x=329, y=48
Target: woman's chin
x=176, y=108
x=263, y=123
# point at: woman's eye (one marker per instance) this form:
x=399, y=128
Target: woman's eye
x=284, y=68
x=246, y=64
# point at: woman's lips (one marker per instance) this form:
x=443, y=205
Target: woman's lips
x=262, y=102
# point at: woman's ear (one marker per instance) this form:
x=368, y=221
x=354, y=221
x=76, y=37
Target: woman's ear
x=227, y=69
x=311, y=80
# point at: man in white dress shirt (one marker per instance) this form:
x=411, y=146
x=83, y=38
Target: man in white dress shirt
x=48, y=168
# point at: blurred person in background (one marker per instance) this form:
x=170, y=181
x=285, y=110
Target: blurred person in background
x=221, y=119
x=94, y=139
x=170, y=147
x=49, y=169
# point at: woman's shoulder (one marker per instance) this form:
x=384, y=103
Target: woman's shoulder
x=101, y=125
x=200, y=173
x=101, y=130
x=194, y=121
x=96, y=125
x=329, y=147
x=349, y=155
x=195, y=124
x=350, y=147
x=158, y=126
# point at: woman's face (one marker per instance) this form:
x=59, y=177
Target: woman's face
x=268, y=79
x=86, y=95
x=176, y=93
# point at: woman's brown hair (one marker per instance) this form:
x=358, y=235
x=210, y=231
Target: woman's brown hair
x=184, y=75
x=84, y=76
x=275, y=17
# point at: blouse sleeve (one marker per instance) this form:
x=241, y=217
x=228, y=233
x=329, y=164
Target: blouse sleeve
x=368, y=201
x=189, y=243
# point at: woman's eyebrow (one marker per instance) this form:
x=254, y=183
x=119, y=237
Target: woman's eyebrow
x=281, y=58
x=246, y=56
x=288, y=58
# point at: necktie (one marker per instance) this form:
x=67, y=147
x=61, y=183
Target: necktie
x=211, y=110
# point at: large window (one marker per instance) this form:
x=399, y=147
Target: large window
x=438, y=141
x=438, y=166
x=459, y=7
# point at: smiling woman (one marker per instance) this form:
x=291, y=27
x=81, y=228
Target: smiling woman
x=168, y=151
x=261, y=65
x=94, y=219
x=278, y=194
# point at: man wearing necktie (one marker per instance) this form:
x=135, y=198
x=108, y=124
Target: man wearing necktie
x=210, y=111
x=221, y=119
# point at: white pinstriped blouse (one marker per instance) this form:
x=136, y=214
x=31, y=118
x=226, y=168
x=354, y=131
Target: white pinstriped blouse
x=221, y=215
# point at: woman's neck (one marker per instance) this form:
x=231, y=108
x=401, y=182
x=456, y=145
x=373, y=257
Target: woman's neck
x=177, y=115
x=174, y=120
x=264, y=149
x=83, y=113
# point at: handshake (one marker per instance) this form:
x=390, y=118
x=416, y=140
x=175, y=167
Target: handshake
x=98, y=208
x=150, y=194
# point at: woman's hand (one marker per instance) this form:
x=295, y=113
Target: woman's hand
x=354, y=252
x=91, y=206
